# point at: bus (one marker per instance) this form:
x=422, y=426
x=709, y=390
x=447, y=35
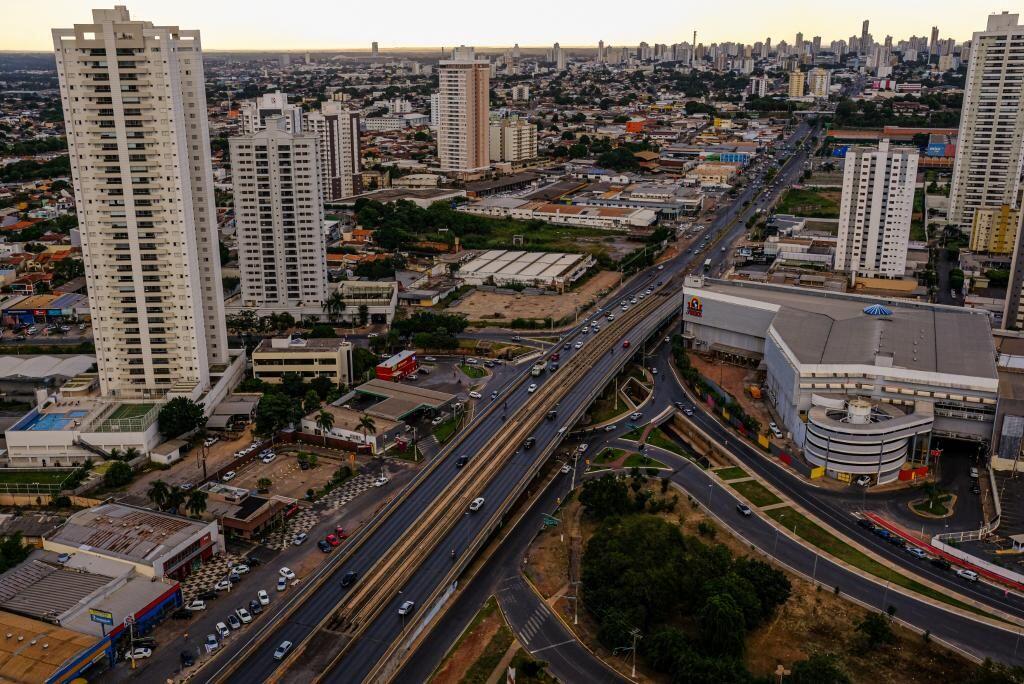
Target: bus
x=707, y=265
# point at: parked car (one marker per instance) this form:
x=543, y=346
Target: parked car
x=241, y=568
x=229, y=476
x=476, y=504
x=196, y=605
x=863, y=481
x=381, y=481
x=263, y=597
x=566, y=468
x=775, y=430
x=182, y=614
x=222, y=585
x=287, y=573
x=324, y=546
x=187, y=659
x=965, y=574
x=475, y=395
x=282, y=650
x=234, y=622
x=223, y=630
x=138, y=654
x=208, y=595
x=744, y=510
x=269, y=458
x=406, y=607
x=340, y=532
x=255, y=607
x=941, y=563
x=916, y=552
x=243, y=615
x=610, y=428
x=349, y=578
x=300, y=539
x=282, y=583
x=211, y=643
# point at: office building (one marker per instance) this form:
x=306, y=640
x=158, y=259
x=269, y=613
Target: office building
x=337, y=131
x=135, y=113
x=994, y=230
x=796, y=83
x=513, y=140
x=819, y=83
x=254, y=113
x=313, y=358
x=875, y=210
x=463, y=103
x=279, y=220
x=989, y=154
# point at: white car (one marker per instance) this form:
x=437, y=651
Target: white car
x=863, y=481
x=282, y=650
x=381, y=481
x=472, y=362
x=244, y=616
x=661, y=267
x=211, y=643
x=269, y=458
x=229, y=476
x=263, y=597
x=566, y=469
x=406, y=607
x=475, y=395
x=429, y=358
x=223, y=630
x=582, y=448
x=241, y=568
x=476, y=504
x=282, y=583
x=300, y=539
x=222, y=585
x=138, y=654
x=437, y=421
x=196, y=605
x=532, y=388
x=579, y=344
x=610, y=428
x=966, y=574
x=287, y=573
x=775, y=430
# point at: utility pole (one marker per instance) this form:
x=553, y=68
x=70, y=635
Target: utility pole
x=636, y=636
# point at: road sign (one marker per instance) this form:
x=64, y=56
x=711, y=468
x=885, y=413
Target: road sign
x=101, y=616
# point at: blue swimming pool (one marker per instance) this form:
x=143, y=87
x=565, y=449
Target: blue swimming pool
x=50, y=422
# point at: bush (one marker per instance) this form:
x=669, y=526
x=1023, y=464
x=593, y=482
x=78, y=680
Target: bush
x=118, y=474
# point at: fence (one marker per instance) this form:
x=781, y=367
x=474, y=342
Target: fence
x=50, y=485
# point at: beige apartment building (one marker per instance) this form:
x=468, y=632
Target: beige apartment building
x=135, y=111
x=279, y=220
x=463, y=104
x=797, y=79
x=254, y=113
x=513, y=140
x=994, y=229
x=327, y=357
x=819, y=83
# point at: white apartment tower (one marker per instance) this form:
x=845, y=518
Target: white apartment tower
x=818, y=83
x=875, y=210
x=463, y=104
x=513, y=140
x=279, y=220
x=759, y=86
x=337, y=131
x=989, y=152
x=135, y=112
x=255, y=113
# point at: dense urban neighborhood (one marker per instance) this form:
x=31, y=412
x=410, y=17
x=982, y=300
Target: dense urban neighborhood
x=693, y=362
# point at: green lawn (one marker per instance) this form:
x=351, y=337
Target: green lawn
x=756, y=493
x=472, y=371
x=832, y=545
x=609, y=454
x=446, y=430
x=941, y=506
x=731, y=473
x=28, y=477
x=634, y=434
x=660, y=439
x=641, y=461
x=811, y=203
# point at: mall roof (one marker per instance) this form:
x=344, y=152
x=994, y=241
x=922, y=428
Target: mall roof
x=823, y=328
x=41, y=651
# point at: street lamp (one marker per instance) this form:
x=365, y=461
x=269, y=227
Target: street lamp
x=711, y=488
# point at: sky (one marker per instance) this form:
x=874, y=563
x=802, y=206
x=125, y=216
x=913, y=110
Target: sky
x=353, y=24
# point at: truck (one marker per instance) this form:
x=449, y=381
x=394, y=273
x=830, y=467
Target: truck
x=707, y=265
x=538, y=368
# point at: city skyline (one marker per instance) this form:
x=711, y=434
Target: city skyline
x=265, y=28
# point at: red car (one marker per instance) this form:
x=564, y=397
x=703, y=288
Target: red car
x=340, y=531
x=625, y=344
x=333, y=540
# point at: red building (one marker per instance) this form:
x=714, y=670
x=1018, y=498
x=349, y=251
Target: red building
x=401, y=365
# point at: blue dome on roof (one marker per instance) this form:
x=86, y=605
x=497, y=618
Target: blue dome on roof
x=877, y=310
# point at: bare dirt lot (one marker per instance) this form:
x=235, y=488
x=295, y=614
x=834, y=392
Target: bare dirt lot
x=287, y=477
x=490, y=306
x=732, y=379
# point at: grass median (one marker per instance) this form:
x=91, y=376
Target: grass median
x=731, y=473
x=756, y=493
x=817, y=536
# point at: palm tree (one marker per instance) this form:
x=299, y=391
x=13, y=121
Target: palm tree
x=263, y=484
x=325, y=421
x=175, y=498
x=367, y=425
x=334, y=305
x=115, y=454
x=130, y=453
x=196, y=504
x=157, y=493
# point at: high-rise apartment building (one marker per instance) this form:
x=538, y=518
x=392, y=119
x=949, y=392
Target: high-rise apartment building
x=875, y=210
x=513, y=140
x=989, y=153
x=558, y=57
x=797, y=80
x=759, y=86
x=337, y=131
x=994, y=229
x=279, y=220
x=818, y=83
x=933, y=44
x=463, y=105
x=254, y=113
x=135, y=113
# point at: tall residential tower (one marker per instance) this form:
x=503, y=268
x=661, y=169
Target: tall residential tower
x=135, y=112
x=463, y=104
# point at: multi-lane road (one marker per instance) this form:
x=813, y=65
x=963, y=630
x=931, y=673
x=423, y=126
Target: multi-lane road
x=251, y=658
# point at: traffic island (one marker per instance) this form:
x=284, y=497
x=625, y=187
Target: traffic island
x=943, y=505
